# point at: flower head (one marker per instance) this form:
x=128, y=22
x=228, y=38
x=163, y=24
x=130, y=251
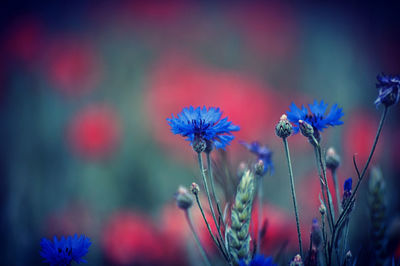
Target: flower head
x=262, y=152
x=347, y=191
x=316, y=117
x=258, y=260
x=64, y=251
x=388, y=90
x=184, y=199
x=203, y=126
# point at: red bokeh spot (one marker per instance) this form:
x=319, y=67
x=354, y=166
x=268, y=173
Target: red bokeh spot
x=73, y=66
x=24, y=39
x=94, y=132
x=132, y=238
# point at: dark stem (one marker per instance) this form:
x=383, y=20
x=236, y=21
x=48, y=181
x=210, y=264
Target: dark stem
x=285, y=143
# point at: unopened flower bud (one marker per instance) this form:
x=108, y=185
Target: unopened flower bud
x=316, y=234
x=306, y=129
x=297, y=261
x=195, y=188
x=242, y=168
x=199, y=145
x=259, y=168
x=322, y=209
x=332, y=159
x=283, y=129
x=183, y=198
x=348, y=258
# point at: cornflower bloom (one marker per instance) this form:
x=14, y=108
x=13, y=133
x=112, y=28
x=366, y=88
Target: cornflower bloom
x=388, y=90
x=203, y=128
x=62, y=252
x=263, y=153
x=258, y=260
x=316, y=116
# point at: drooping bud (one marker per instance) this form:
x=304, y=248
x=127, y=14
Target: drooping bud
x=332, y=159
x=183, y=198
x=195, y=188
x=259, y=168
x=283, y=129
x=306, y=129
x=297, y=261
x=199, y=145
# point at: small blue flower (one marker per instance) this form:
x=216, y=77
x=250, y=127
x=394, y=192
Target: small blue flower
x=348, y=185
x=316, y=117
x=205, y=125
x=262, y=152
x=258, y=260
x=388, y=90
x=62, y=252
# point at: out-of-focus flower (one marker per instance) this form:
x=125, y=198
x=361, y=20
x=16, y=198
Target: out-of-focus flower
x=64, y=251
x=94, y=132
x=73, y=66
x=258, y=260
x=130, y=238
x=316, y=117
x=388, y=90
x=202, y=125
x=262, y=152
x=184, y=199
x=332, y=159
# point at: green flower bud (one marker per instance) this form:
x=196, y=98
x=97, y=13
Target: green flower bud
x=183, y=198
x=306, y=129
x=283, y=129
x=332, y=159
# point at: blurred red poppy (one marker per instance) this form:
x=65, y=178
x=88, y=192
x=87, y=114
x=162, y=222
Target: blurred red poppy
x=73, y=66
x=131, y=238
x=177, y=82
x=94, y=132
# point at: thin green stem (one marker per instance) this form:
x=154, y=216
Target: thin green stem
x=347, y=207
x=260, y=211
x=211, y=177
x=322, y=181
x=196, y=238
x=336, y=184
x=209, y=200
x=328, y=192
x=285, y=143
x=324, y=237
x=208, y=225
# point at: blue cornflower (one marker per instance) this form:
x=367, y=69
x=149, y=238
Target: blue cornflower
x=203, y=126
x=316, y=117
x=262, y=152
x=348, y=185
x=62, y=252
x=347, y=191
x=258, y=260
x=388, y=90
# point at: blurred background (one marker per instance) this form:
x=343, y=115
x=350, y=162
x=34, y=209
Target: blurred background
x=86, y=87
